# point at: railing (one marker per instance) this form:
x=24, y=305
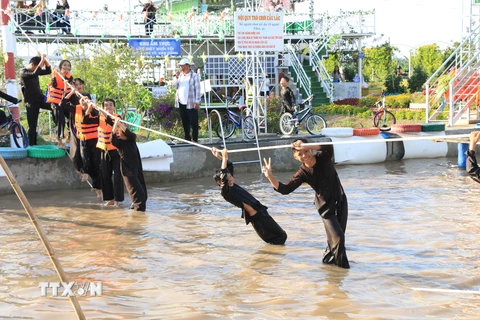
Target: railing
x=453, y=71
x=131, y=23
x=323, y=76
x=303, y=81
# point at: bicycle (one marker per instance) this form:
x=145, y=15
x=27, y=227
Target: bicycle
x=232, y=121
x=382, y=118
x=313, y=122
x=20, y=137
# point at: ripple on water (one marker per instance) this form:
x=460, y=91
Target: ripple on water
x=190, y=256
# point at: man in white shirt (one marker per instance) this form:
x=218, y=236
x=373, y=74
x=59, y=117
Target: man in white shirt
x=187, y=98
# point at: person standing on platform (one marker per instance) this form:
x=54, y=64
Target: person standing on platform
x=59, y=86
x=131, y=165
x=32, y=94
x=319, y=172
x=112, y=191
x=150, y=16
x=187, y=98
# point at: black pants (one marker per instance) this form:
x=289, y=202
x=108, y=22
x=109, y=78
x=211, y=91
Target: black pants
x=335, y=223
x=267, y=228
x=33, y=110
x=91, y=161
x=59, y=116
x=137, y=190
x=149, y=25
x=110, y=163
x=189, y=120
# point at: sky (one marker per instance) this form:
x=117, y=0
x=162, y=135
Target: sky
x=405, y=23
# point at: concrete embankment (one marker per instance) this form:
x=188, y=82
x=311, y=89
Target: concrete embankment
x=189, y=162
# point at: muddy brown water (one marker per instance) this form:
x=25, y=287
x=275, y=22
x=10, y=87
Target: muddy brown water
x=412, y=224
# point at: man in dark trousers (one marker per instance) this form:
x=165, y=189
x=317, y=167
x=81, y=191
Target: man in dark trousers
x=318, y=171
x=32, y=93
x=131, y=165
x=252, y=210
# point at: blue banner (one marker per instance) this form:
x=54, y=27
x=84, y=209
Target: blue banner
x=157, y=47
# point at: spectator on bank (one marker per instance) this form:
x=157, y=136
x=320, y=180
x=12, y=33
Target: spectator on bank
x=32, y=94
x=63, y=15
x=264, y=85
x=288, y=98
x=187, y=98
x=150, y=16
x=337, y=75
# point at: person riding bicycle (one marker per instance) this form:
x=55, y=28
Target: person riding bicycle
x=288, y=98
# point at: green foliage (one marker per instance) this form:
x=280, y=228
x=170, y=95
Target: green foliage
x=274, y=112
x=417, y=97
x=393, y=84
x=362, y=112
x=111, y=72
x=428, y=58
x=368, y=101
x=398, y=101
x=378, y=62
x=417, y=80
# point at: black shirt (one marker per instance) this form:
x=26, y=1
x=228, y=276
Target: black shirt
x=30, y=84
x=322, y=177
x=129, y=154
x=236, y=195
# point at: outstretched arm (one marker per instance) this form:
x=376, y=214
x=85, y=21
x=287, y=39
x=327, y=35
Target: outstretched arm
x=267, y=171
x=216, y=153
x=224, y=158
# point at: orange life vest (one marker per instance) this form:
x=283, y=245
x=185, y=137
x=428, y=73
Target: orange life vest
x=104, y=134
x=55, y=93
x=86, y=126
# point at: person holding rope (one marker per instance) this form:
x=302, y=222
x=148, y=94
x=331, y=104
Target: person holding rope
x=59, y=86
x=330, y=200
x=472, y=165
x=86, y=130
x=113, y=192
x=187, y=98
x=131, y=164
x=32, y=94
x=253, y=211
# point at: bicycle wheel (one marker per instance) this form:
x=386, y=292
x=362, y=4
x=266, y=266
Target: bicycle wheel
x=384, y=122
x=286, y=123
x=20, y=137
x=315, y=124
x=228, y=128
x=249, y=127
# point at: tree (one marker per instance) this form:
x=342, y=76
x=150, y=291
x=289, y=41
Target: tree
x=112, y=71
x=378, y=62
x=428, y=57
x=417, y=80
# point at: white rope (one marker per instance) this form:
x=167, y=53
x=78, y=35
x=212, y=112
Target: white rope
x=446, y=290
x=325, y=143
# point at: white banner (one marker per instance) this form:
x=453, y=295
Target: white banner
x=259, y=31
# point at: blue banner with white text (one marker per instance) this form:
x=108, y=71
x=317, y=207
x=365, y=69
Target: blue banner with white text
x=157, y=47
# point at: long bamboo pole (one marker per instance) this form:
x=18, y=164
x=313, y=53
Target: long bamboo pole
x=43, y=237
